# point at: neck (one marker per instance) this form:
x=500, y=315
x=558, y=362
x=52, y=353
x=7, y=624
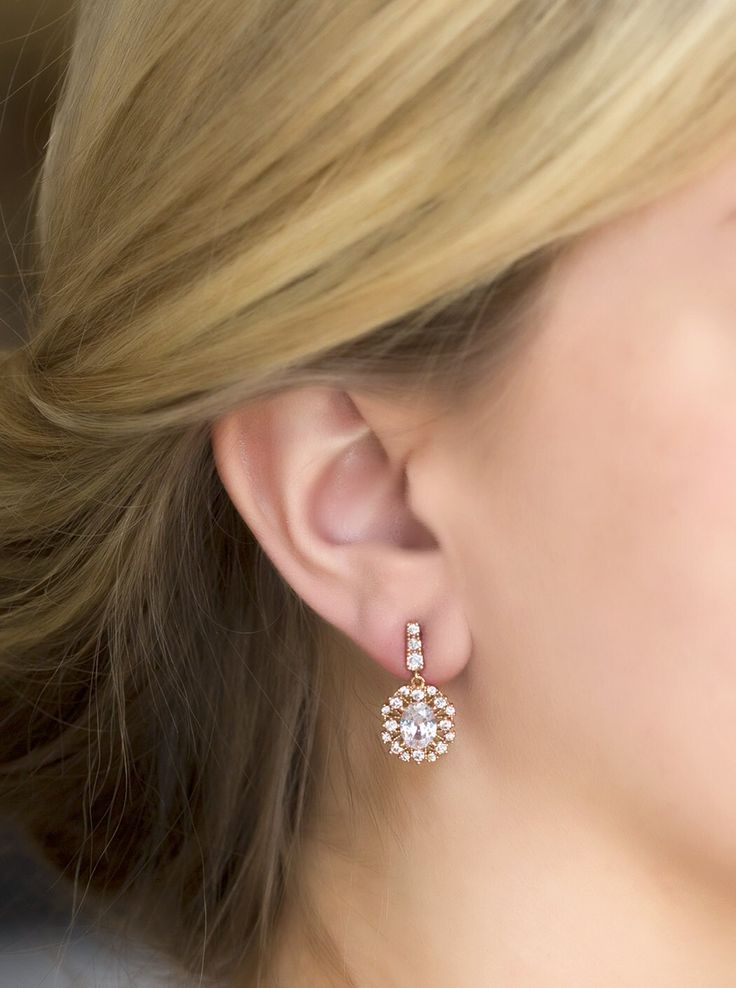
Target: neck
x=498, y=875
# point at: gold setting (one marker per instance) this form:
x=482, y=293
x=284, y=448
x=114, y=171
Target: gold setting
x=417, y=707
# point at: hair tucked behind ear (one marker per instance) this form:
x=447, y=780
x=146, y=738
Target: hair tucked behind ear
x=157, y=725
x=239, y=198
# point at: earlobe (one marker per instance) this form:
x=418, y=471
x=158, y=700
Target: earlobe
x=318, y=488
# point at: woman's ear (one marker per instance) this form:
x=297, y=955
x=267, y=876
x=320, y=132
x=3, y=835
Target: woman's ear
x=326, y=493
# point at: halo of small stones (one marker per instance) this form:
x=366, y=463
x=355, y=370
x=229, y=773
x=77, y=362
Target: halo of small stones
x=444, y=713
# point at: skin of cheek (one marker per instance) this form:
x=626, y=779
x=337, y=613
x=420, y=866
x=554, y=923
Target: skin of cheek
x=603, y=593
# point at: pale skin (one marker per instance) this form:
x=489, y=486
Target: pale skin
x=569, y=548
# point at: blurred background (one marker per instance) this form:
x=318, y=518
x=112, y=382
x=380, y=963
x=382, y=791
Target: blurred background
x=43, y=943
x=34, y=36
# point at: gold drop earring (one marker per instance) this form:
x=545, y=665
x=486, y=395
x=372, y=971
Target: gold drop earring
x=418, y=720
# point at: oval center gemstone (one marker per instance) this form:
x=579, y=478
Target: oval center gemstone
x=418, y=726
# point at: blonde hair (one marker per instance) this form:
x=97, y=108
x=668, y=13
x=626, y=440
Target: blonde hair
x=237, y=199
